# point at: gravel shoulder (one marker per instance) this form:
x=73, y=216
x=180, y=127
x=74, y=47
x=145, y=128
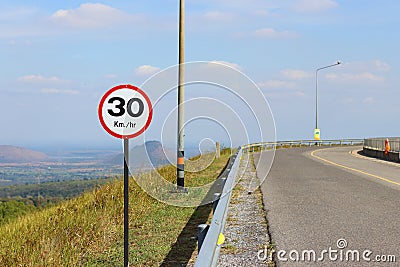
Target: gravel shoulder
x=246, y=230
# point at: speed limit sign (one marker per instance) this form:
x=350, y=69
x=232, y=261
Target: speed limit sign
x=125, y=111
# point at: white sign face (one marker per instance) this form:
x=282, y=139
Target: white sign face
x=125, y=111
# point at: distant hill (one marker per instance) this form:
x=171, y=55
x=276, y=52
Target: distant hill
x=13, y=154
x=150, y=154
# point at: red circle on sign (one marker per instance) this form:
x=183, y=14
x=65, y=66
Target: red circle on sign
x=112, y=90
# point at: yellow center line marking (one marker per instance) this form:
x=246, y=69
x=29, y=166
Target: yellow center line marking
x=352, y=169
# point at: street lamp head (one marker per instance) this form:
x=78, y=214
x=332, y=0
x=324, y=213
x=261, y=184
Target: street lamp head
x=338, y=62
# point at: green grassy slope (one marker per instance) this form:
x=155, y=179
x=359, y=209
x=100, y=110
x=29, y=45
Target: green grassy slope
x=88, y=230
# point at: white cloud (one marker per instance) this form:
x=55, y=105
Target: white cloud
x=360, y=72
x=86, y=17
x=274, y=34
x=58, y=91
x=369, y=66
x=363, y=76
x=91, y=15
x=380, y=65
x=146, y=70
x=296, y=74
x=273, y=84
x=39, y=79
x=313, y=5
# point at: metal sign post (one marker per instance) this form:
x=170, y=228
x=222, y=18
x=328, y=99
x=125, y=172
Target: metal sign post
x=126, y=202
x=125, y=112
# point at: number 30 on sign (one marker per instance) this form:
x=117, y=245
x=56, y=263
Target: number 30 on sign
x=125, y=111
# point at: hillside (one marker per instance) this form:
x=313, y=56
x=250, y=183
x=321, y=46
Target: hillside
x=13, y=154
x=157, y=156
x=88, y=230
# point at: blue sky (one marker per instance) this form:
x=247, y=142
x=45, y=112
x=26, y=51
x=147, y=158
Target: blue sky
x=59, y=57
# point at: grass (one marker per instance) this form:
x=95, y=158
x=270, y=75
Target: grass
x=88, y=230
x=230, y=249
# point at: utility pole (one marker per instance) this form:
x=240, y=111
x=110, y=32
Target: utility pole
x=181, y=79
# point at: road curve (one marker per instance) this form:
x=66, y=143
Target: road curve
x=314, y=197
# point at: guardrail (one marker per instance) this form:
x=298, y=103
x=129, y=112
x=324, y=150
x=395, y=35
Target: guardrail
x=379, y=143
x=210, y=237
x=209, y=247
x=301, y=143
x=375, y=147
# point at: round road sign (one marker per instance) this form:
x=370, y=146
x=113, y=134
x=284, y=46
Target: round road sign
x=125, y=111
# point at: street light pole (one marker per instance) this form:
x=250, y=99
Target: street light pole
x=317, y=131
x=181, y=79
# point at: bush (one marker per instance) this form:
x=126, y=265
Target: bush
x=10, y=210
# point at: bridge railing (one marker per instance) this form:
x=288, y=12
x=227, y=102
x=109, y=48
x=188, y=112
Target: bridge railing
x=379, y=144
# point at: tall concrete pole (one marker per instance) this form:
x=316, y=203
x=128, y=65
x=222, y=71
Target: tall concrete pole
x=181, y=79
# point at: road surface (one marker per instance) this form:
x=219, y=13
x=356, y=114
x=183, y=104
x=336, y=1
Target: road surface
x=316, y=198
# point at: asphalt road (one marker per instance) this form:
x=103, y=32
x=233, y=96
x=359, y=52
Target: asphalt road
x=315, y=198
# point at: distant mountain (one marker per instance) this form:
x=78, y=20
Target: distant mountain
x=13, y=154
x=150, y=154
